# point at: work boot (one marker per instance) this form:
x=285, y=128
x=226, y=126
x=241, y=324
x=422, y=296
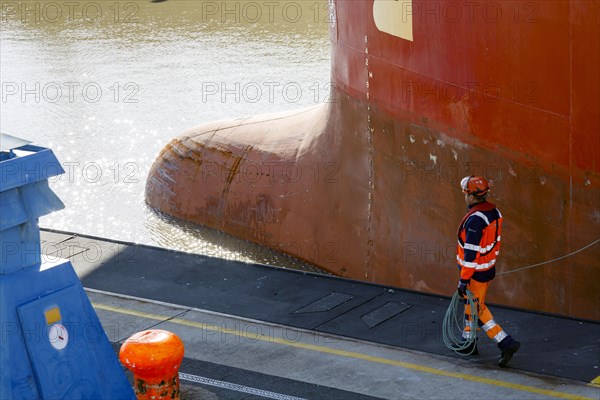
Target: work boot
x=471, y=350
x=508, y=346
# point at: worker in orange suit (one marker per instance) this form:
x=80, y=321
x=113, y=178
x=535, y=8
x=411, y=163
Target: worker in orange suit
x=479, y=235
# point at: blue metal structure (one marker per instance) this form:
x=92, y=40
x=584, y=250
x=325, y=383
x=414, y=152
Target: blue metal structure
x=52, y=343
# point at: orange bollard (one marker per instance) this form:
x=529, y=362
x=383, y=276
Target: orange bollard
x=154, y=357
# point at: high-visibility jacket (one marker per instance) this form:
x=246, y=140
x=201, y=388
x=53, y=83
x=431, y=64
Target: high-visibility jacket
x=479, y=235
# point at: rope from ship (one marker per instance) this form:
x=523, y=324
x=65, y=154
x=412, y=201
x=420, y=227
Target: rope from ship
x=454, y=323
x=550, y=261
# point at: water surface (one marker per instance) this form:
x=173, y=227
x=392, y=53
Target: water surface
x=107, y=84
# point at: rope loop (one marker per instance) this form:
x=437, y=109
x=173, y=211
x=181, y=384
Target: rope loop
x=455, y=323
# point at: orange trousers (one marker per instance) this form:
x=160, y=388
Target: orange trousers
x=486, y=319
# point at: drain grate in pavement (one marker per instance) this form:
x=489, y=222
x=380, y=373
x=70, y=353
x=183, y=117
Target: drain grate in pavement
x=326, y=303
x=383, y=313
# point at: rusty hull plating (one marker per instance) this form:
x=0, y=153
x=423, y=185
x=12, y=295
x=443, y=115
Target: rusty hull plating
x=366, y=185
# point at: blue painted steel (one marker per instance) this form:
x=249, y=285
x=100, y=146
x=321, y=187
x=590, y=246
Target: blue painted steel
x=41, y=297
x=28, y=164
x=24, y=197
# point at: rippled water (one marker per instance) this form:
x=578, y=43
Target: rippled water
x=107, y=84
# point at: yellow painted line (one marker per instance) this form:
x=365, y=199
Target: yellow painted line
x=596, y=381
x=344, y=353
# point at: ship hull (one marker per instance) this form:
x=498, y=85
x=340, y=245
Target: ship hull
x=366, y=185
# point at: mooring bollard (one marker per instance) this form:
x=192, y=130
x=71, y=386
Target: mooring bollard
x=154, y=357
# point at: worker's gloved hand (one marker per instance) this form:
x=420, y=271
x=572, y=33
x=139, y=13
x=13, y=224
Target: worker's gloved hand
x=462, y=287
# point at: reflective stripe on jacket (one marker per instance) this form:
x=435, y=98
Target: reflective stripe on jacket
x=479, y=235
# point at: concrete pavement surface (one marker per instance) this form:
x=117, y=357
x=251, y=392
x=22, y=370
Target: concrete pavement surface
x=551, y=345
x=229, y=357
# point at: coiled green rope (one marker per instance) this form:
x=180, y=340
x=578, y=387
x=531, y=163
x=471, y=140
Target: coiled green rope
x=454, y=323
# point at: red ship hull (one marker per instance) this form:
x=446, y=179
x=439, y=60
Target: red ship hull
x=366, y=186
